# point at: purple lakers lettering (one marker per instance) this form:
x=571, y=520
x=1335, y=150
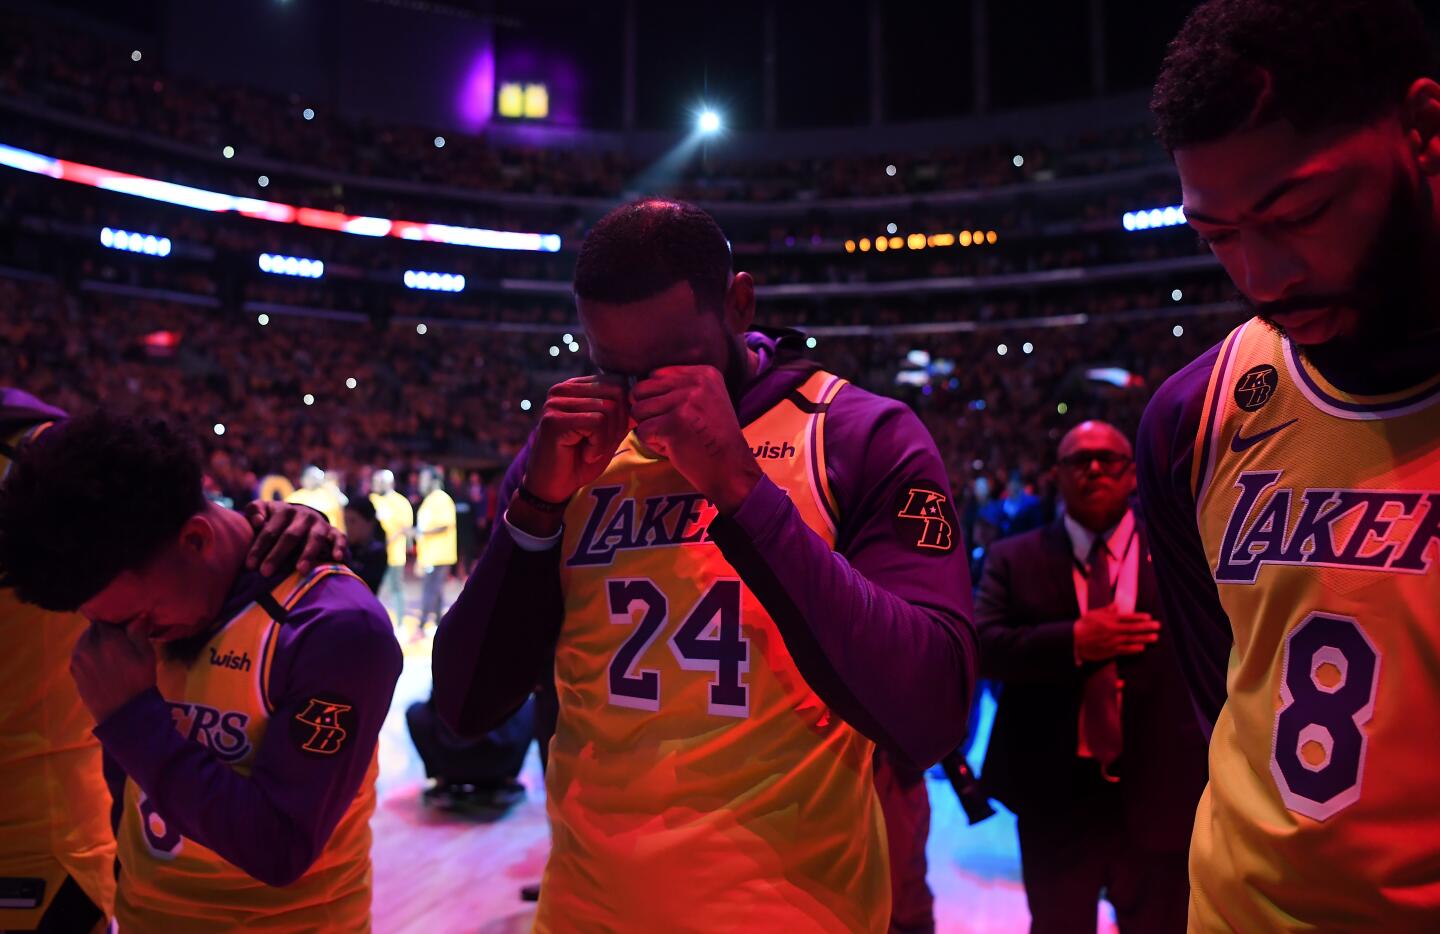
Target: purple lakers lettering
x=223, y=731
x=657, y=522
x=1376, y=530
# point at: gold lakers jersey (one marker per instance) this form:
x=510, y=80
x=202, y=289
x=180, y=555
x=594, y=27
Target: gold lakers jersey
x=1320, y=515
x=696, y=783
x=54, y=819
x=173, y=884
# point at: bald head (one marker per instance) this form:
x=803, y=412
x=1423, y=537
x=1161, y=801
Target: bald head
x=1095, y=435
x=382, y=482
x=1097, y=474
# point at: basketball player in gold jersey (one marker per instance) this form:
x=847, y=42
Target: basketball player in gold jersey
x=57, y=851
x=746, y=573
x=237, y=712
x=1291, y=475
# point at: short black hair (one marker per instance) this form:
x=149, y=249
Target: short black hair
x=1327, y=63
x=93, y=497
x=643, y=248
x=362, y=508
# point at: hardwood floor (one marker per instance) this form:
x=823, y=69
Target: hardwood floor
x=435, y=874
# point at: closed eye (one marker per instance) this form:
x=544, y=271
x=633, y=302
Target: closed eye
x=1307, y=218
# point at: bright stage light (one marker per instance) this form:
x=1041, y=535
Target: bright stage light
x=709, y=121
x=1171, y=216
x=278, y=265
x=434, y=281
x=148, y=244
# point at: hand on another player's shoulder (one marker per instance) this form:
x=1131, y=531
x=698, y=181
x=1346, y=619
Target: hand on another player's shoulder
x=1106, y=632
x=112, y=665
x=289, y=532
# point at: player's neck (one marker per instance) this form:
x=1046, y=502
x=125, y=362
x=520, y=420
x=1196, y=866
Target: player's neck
x=1366, y=369
x=233, y=535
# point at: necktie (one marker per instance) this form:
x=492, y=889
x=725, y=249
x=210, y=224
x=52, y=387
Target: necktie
x=1100, y=701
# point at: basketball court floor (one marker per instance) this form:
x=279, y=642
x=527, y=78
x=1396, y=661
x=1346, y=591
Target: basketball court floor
x=439, y=874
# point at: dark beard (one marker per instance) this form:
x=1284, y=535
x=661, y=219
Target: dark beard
x=1394, y=342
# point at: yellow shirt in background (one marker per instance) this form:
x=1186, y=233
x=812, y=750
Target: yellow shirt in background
x=436, y=550
x=322, y=499
x=395, y=516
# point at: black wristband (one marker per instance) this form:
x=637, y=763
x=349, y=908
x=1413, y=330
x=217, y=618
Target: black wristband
x=544, y=505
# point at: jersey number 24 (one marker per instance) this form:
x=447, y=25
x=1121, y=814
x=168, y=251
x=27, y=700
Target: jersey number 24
x=710, y=639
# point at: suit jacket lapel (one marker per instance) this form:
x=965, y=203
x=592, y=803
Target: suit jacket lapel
x=1059, y=567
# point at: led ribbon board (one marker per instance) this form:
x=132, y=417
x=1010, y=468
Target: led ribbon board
x=218, y=203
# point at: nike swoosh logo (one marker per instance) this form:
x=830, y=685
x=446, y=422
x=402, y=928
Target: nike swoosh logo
x=1240, y=443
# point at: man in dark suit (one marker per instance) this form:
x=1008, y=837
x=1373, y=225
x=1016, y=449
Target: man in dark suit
x=1095, y=747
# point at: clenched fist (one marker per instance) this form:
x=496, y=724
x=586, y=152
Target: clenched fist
x=684, y=413
x=583, y=422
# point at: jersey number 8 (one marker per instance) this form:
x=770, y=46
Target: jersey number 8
x=1327, y=694
x=162, y=840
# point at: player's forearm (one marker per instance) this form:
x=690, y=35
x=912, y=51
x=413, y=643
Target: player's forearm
x=203, y=798
x=498, y=639
x=899, y=672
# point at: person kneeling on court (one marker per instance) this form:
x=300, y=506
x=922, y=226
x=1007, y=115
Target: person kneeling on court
x=238, y=713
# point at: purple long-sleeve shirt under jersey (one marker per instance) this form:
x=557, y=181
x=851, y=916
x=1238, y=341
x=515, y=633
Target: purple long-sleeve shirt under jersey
x=336, y=642
x=880, y=627
x=1164, y=456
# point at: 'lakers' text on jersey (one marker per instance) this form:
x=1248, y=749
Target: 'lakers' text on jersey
x=222, y=700
x=1319, y=512
x=694, y=773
